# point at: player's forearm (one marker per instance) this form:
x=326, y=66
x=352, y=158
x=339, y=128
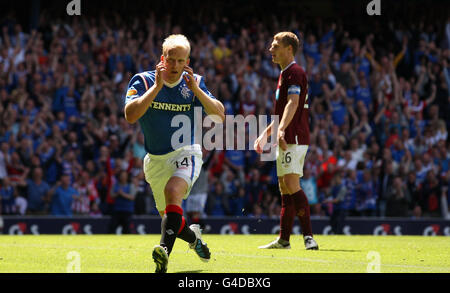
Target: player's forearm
x=137, y=107
x=288, y=114
x=212, y=106
x=268, y=131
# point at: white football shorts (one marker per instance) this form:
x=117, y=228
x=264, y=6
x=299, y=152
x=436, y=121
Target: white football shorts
x=185, y=162
x=292, y=160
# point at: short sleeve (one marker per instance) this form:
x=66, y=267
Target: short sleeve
x=294, y=89
x=298, y=84
x=202, y=85
x=295, y=83
x=136, y=88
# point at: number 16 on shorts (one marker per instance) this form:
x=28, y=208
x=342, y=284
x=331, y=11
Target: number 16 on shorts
x=286, y=158
x=291, y=161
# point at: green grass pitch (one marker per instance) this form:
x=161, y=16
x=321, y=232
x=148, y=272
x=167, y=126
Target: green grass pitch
x=230, y=254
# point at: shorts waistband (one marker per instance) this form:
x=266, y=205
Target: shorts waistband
x=191, y=148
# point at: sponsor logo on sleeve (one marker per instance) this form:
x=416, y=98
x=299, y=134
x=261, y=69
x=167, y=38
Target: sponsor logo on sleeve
x=131, y=92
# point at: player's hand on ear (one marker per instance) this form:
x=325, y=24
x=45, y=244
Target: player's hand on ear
x=189, y=78
x=160, y=68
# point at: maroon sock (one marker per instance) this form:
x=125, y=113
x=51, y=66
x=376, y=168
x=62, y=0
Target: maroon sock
x=195, y=220
x=302, y=211
x=287, y=216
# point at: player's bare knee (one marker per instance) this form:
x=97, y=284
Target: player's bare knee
x=292, y=182
x=284, y=190
x=174, y=193
x=281, y=184
x=283, y=187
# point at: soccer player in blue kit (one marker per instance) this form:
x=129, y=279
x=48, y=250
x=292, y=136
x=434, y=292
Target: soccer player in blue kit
x=154, y=98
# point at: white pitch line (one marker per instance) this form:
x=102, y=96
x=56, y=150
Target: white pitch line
x=445, y=269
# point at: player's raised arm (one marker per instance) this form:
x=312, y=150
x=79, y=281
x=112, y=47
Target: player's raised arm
x=136, y=108
x=212, y=106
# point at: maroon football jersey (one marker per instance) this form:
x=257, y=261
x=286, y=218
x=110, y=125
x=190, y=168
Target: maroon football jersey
x=293, y=81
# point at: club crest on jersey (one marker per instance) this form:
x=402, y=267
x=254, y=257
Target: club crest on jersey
x=185, y=92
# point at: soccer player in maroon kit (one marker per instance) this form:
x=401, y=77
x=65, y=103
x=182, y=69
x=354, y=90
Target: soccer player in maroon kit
x=292, y=139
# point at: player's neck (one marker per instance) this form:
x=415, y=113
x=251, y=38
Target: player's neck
x=285, y=63
x=172, y=81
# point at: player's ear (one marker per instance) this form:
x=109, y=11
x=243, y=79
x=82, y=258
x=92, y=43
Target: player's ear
x=162, y=58
x=187, y=61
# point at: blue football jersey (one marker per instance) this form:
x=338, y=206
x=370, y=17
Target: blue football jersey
x=172, y=100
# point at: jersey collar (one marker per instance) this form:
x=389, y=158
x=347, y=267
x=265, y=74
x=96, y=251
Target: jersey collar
x=172, y=85
x=293, y=62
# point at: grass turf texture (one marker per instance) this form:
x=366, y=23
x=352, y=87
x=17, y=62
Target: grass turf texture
x=230, y=254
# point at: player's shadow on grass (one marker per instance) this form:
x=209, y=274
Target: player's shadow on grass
x=340, y=250
x=189, y=272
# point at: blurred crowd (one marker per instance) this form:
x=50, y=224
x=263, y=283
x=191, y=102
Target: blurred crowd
x=379, y=114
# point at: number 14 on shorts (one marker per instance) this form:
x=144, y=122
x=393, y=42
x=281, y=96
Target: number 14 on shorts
x=184, y=163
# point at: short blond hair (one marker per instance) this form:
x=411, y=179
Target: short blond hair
x=288, y=39
x=176, y=41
